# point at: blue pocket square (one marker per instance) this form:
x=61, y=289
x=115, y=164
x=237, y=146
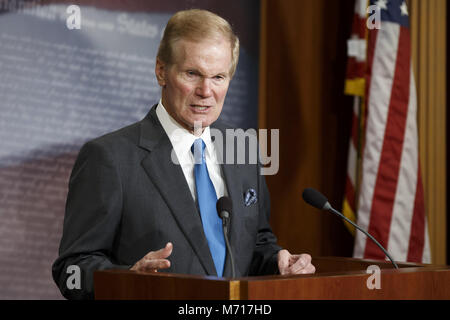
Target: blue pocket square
x=250, y=197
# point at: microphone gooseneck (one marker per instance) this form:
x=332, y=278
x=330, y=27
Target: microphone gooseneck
x=224, y=209
x=319, y=201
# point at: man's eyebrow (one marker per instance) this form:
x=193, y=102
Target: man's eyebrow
x=197, y=71
x=193, y=70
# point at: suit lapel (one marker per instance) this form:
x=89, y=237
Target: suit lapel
x=233, y=178
x=171, y=183
x=233, y=184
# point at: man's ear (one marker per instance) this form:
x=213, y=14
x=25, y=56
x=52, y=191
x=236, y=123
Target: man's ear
x=160, y=71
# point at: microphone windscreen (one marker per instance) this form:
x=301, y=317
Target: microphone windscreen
x=224, y=204
x=314, y=198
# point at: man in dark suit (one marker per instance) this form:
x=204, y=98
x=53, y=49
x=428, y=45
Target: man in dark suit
x=138, y=201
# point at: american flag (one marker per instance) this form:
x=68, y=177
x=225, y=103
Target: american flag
x=384, y=191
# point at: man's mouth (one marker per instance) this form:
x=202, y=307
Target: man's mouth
x=199, y=108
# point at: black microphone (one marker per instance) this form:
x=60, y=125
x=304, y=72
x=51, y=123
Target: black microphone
x=224, y=209
x=319, y=201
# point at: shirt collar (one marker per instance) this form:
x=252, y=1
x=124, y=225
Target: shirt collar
x=181, y=138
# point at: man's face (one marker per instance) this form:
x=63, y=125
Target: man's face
x=195, y=85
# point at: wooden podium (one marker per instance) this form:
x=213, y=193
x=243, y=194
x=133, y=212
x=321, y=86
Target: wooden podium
x=335, y=279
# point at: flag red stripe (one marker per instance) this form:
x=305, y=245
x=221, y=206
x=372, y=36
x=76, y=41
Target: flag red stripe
x=417, y=235
x=389, y=165
x=359, y=26
x=356, y=69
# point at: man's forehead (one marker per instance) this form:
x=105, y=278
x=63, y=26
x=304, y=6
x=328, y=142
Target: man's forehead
x=208, y=53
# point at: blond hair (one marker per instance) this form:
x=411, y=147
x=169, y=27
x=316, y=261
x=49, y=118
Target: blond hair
x=197, y=25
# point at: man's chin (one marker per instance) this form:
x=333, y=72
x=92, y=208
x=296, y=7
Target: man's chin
x=202, y=122
x=198, y=126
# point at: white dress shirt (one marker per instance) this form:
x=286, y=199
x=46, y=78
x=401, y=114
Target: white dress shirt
x=182, y=141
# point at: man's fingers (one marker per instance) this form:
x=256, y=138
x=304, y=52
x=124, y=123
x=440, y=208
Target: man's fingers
x=302, y=265
x=155, y=260
x=283, y=261
x=309, y=269
x=294, y=263
x=161, y=253
x=293, y=259
x=151, y=265
x=302, y=261
x=154, y=264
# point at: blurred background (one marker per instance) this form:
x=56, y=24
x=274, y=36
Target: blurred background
x=61, y=87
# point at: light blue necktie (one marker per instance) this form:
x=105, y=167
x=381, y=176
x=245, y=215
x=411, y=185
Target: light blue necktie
x=206, y=197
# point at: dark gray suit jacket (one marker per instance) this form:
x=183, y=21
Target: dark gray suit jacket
x=126, y=198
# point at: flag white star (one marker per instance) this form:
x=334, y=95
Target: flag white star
x=404, y=9
x=382, y=4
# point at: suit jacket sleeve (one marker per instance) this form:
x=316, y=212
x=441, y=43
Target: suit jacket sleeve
x=265, y=255
x=92, y=218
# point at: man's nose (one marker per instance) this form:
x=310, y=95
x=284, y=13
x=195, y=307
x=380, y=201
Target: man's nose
x=204, y=88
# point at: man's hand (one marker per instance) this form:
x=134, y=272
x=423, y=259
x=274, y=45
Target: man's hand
x=154, y=260
x=294, y=263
